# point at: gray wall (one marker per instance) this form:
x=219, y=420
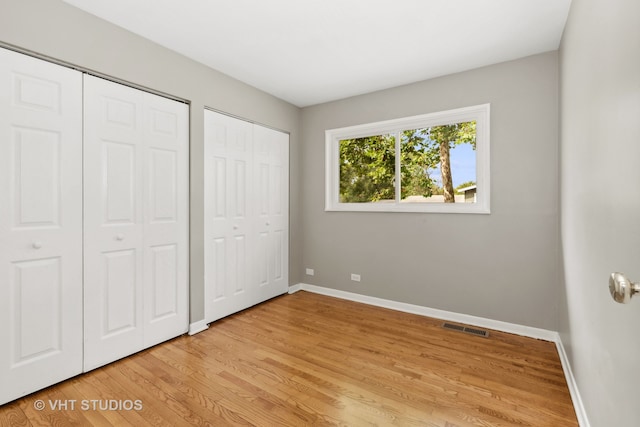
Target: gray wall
x=600, y=203
x=505, y=266
x=62, y=32
x=502, y=266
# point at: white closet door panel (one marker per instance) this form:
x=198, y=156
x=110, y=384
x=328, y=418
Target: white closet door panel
x=113, y=222
x=228, y=206
x=40, y=224
x=246, y=211
x=166, y=222
x=136, y=220
x=271, y=151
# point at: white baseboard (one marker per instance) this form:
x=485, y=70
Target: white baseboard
x=197, y=327
x=295, y=288
x=512, y=328
x=581, y=412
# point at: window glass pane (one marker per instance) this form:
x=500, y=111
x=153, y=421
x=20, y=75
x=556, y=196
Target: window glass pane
x=435, y=162
x=367, y=169
x=438, y=164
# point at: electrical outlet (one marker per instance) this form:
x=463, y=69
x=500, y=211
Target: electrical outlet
x=355, y=277
x=310, y=272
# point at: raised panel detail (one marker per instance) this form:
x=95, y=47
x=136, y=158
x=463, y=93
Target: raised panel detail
x=219, y=135
x=240, y=243
x=276, y=190
x=163, y=185
x=219, y=249
x=261, y=146
x=263, y=189
x=120, y=113
x=36, y=93
x=164, y=281
x=36, y=169
x=220, y=187
x=119, y=181
x=37, y=287
x=278, y=254
x=262, y=259
x=240, y=190
x=119, y=292
x=164, y=123
x=240, y=139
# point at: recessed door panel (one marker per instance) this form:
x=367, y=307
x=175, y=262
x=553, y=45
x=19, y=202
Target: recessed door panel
x=239, y=281
x=276, y=189
x=262, y=258
x=164, y=123
x=120, y=112
x=36, y=300
x=40, y=224
x=119, y=182
x=166, y=286
x=278, y=250
x=37, y=92
x=218, y=270
x=239, y=137
x=219, y=165
x=119, y=311
x=263, y=189
x=163, y=185
x=36, y=174
x=240, y=192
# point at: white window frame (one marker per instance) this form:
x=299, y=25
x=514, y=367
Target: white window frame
x=479, y=113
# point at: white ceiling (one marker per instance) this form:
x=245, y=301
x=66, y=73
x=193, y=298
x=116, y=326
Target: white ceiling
x=312, y=51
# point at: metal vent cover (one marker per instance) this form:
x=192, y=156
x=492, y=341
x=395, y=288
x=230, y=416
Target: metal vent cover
x=466, y=329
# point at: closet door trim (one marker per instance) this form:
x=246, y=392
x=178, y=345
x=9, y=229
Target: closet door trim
x=89, y=71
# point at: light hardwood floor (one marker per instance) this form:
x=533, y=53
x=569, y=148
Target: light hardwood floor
x=307, y=359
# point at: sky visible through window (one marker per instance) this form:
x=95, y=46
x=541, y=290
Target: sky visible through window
x=463, y=165
x=412, y=164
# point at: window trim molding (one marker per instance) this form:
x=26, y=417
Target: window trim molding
x=479, y=113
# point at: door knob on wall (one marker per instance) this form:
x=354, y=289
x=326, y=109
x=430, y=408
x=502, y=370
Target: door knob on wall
x=621, y=288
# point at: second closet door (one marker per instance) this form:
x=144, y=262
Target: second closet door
x=135, y=220
x=246, y=211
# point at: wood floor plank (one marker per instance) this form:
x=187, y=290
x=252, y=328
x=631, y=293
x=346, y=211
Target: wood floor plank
x=94, y=386
x=312, y=360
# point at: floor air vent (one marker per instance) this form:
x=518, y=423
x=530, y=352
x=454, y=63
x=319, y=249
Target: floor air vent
x=466, y=329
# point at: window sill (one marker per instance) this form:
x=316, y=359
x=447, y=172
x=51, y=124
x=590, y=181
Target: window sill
x=448, y=208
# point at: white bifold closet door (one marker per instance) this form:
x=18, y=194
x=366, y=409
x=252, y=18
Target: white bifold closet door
x=246, y=214
x=40, y=224
x=135, y=220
